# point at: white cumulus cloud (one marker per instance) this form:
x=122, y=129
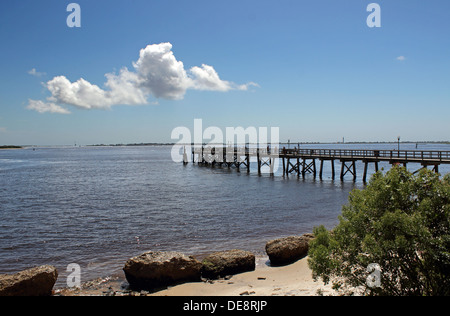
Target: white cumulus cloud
x=156, y=73
x=161, y=74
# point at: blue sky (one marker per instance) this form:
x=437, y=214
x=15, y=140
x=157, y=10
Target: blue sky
x=312, y=68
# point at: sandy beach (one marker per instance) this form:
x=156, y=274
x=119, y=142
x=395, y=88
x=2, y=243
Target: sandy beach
x=290, y=280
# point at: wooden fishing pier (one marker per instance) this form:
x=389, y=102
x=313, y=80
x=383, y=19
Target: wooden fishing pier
x=311, y=161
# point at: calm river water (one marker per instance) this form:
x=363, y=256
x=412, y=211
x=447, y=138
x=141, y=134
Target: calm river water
x=99, y=206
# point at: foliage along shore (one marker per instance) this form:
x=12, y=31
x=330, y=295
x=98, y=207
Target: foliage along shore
x=10, y=147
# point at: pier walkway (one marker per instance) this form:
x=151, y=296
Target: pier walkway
x=303, y=161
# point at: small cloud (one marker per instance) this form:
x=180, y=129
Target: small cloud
x=43, y=107
x=401, y=58
x=2, y=129
x=36, y=73
x=245, y=87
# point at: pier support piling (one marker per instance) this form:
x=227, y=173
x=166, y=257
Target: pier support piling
x=366, y=165
x=291, y=167
x=309, y=167
x=333, y=171
x=348, y=169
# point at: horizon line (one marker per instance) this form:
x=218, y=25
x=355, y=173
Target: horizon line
x=280, y=143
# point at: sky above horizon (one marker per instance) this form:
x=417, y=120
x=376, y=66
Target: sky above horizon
x=136, y=70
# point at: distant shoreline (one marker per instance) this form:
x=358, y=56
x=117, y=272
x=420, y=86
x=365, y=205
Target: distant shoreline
x=293, y=143
x=10, y=147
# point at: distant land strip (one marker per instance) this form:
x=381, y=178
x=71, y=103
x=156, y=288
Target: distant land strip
x=293, y=143
x=132, y=144
x=10, y=147
x=283, y=143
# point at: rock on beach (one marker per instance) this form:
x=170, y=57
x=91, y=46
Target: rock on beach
x=288, y=249
x=156, y=269
x=220, y=264
x=37, y=281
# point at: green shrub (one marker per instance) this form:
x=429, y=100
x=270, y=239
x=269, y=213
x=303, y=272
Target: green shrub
x=401, y=222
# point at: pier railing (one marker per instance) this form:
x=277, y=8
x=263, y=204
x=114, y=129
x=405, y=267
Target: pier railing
x=407, y=155
x=415, y=155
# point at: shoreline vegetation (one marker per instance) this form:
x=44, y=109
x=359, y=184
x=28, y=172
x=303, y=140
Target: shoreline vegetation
x=10, y=147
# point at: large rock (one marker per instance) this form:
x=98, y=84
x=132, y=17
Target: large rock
x=152, y=270
x=230, y=262
x=288, y=249
x=37, y=281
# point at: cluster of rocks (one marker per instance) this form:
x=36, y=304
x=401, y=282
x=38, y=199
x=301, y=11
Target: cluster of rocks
x=155, y=269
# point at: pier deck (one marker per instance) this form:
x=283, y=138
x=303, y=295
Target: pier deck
x=302, y=161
